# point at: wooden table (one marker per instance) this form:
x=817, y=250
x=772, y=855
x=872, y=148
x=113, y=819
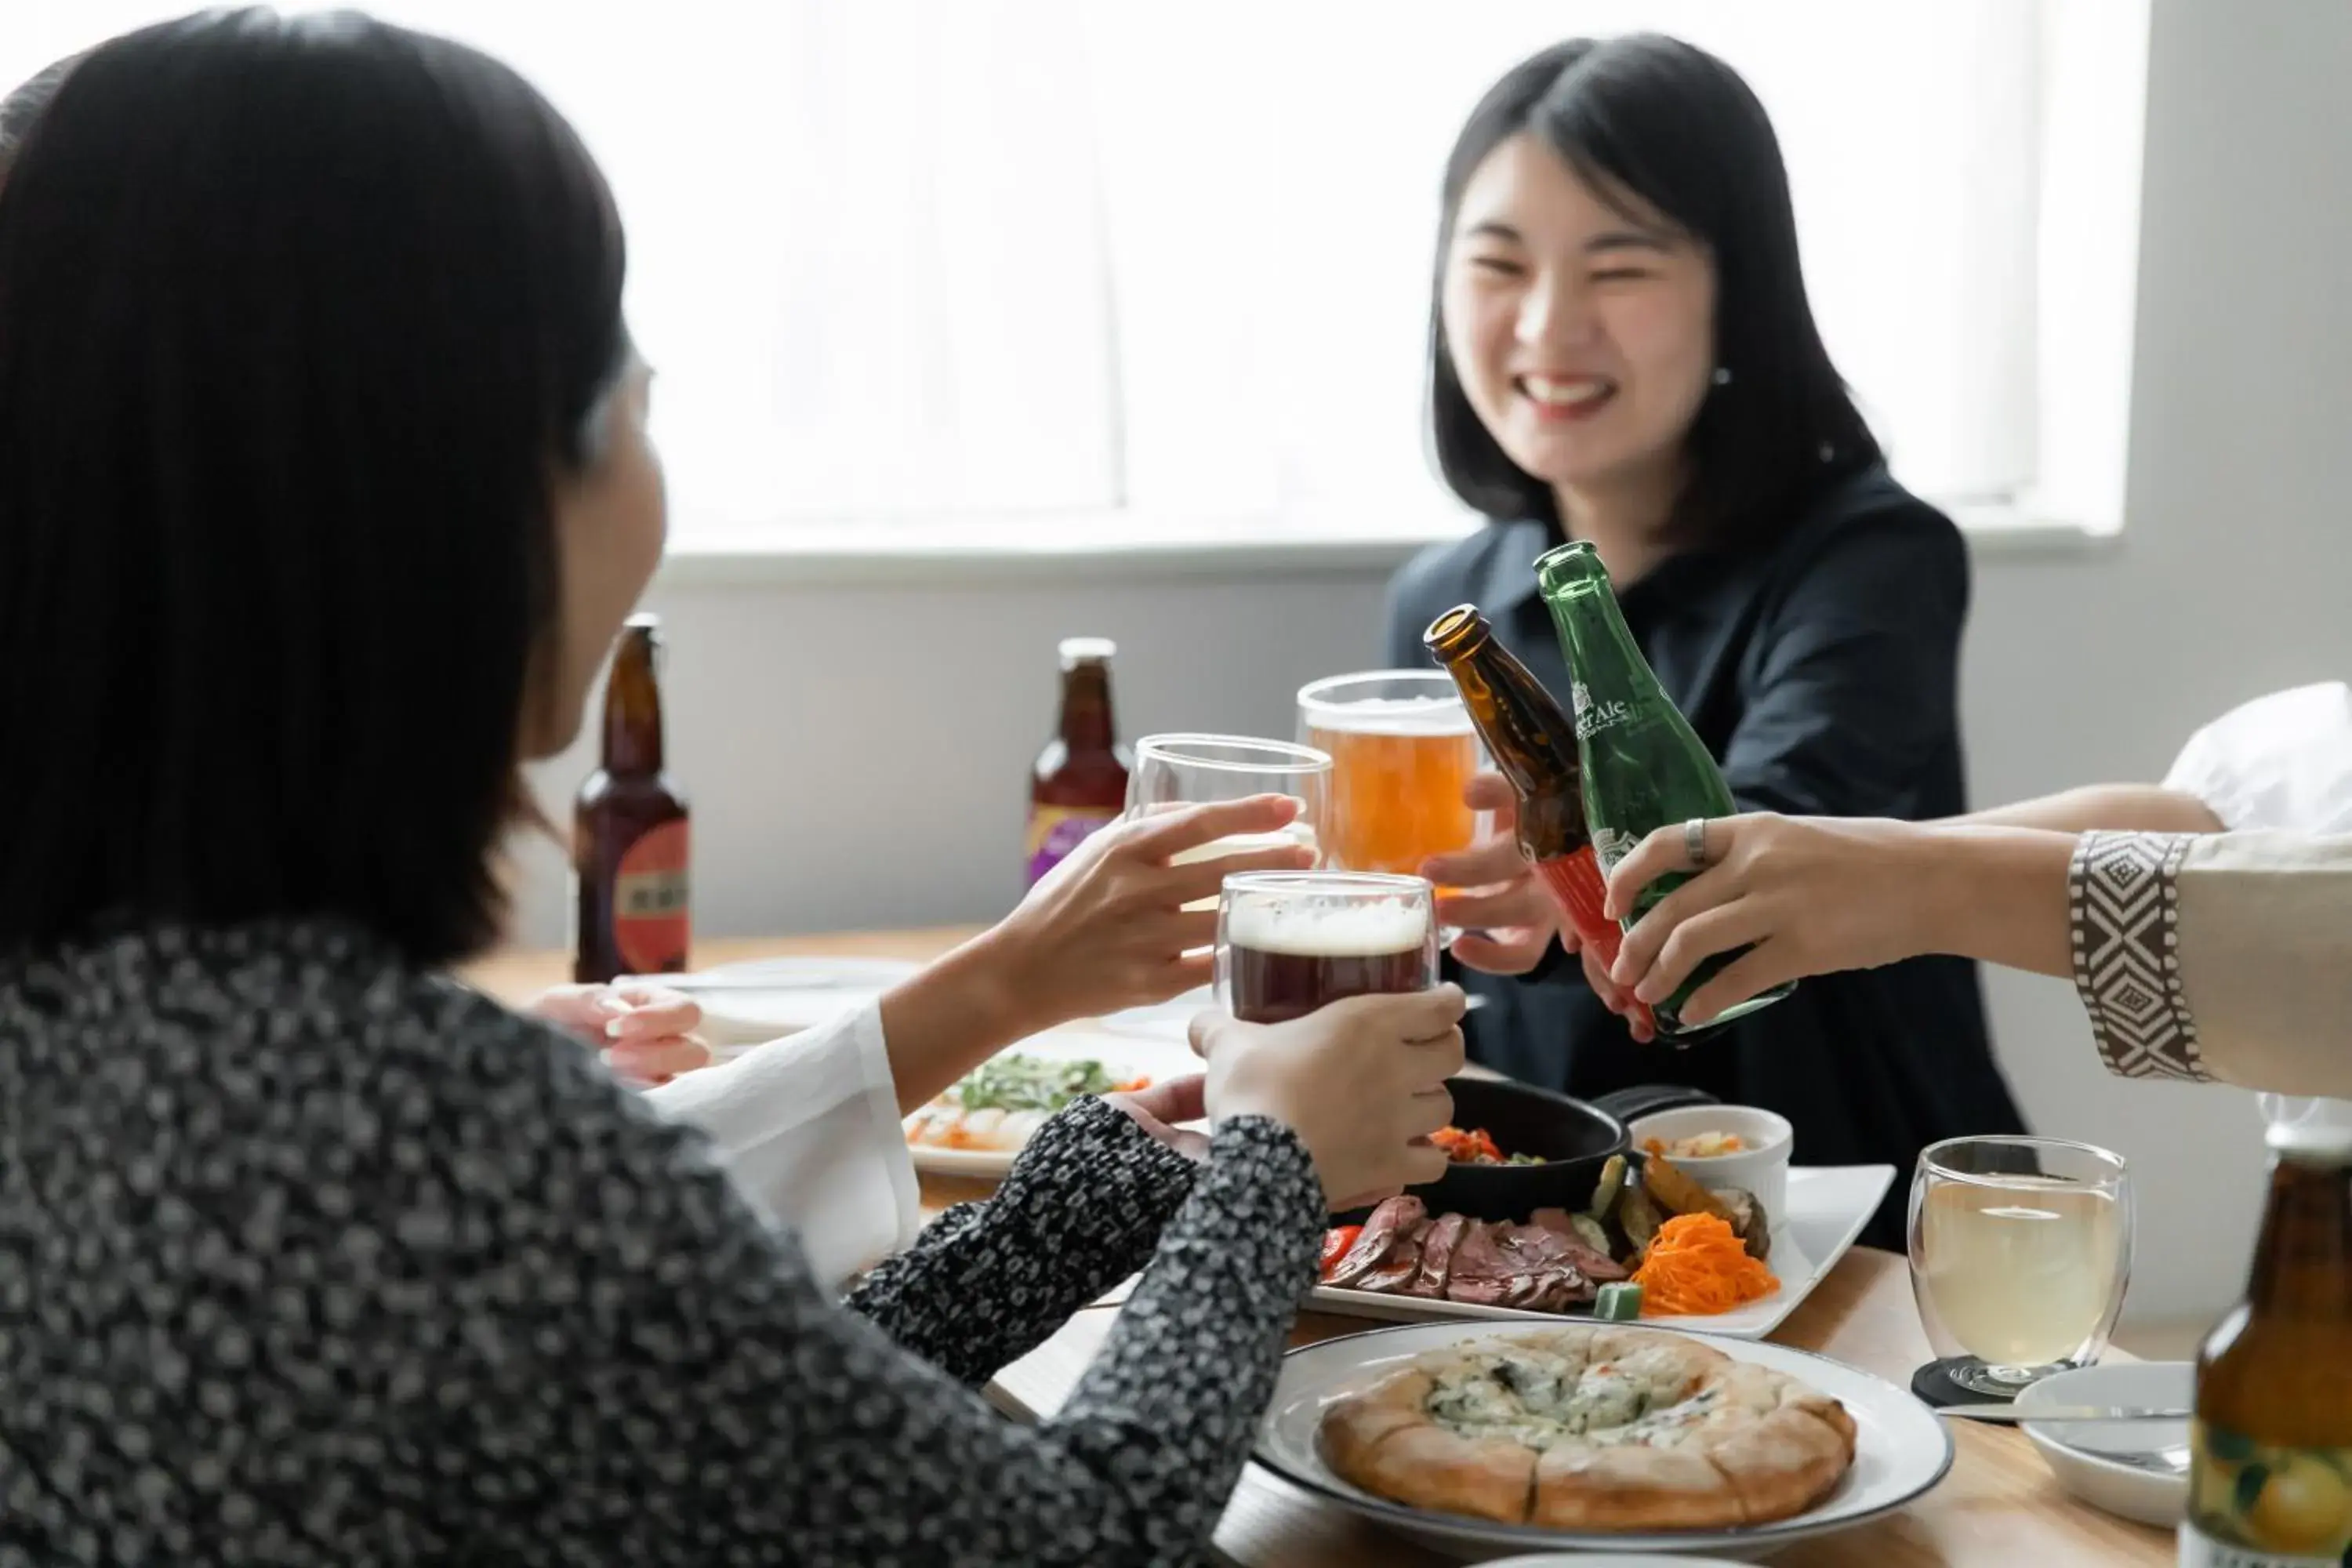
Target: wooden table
x=1998, y=1508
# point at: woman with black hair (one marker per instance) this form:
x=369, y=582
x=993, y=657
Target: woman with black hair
x=809, y=1127
x=324, y=488
x=1622, y=352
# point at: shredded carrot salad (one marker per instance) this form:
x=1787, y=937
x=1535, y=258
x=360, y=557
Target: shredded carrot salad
x=1696, y=1267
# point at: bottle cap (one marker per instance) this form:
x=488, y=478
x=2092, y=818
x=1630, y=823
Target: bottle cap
x=2320, y=1129
x=1087, y=650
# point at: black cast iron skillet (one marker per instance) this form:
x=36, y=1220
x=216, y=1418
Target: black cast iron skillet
x=1574, y=1137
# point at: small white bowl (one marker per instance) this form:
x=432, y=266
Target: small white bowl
x=1762, y=1167
x=1609, y=1560
x=2081, y=1454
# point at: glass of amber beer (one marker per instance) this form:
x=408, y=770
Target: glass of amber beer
x=1291, y=942
x=1403, y=749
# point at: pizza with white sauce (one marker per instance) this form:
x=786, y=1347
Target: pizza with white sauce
x=1593, y=1429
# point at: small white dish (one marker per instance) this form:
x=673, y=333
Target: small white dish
x=1827, y=1207
x=1761, y=1166
x=1609, y=1560
x=1901, y=1451
x=2093, y=1459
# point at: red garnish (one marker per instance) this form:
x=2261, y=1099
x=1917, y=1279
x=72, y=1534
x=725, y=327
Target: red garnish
x=1336, y=1242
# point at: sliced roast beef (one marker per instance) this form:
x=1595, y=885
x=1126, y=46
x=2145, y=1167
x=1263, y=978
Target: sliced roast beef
x=1395, y=1271
x=1379, y=1236
x=1563, y=1288
x=1593, y=1265
x=1437, y=1257
x=1483, y=1274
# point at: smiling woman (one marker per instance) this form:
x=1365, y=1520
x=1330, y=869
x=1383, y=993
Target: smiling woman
x=1622, y=352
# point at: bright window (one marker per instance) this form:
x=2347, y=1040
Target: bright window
x=981, y=263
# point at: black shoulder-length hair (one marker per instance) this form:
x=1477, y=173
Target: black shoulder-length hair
x=1674, y=126
x=300, y=320
x=24, y=104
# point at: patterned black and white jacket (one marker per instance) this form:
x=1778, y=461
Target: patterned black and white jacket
x=307, y=1257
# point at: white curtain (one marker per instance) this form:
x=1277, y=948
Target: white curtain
x=901, y=259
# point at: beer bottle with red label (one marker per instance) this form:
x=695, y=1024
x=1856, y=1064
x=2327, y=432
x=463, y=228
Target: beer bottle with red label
x=1533, y=743
x=1079, y=783
x=629, y=830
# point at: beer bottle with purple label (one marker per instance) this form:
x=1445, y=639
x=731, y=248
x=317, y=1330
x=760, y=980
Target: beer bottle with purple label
x=1645, y=767
x=1078, y=784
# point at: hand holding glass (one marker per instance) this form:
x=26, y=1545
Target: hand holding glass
x=1289, y=943
x=1194, y=770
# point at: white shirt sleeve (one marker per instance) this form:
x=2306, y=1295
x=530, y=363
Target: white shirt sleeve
x=809, y=1128
x=2281, y=762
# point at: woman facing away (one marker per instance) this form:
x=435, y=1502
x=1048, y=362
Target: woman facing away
x=1622, y=352
x=320, y=429
x=810, y=1126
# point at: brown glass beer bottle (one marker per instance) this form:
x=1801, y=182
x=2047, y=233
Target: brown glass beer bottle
x=629, y=830
x=1533, y=743
x=2270, y=1453
x=1079, y=782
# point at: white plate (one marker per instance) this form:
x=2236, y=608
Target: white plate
x=1123, y=1058
x=1901, y=1448
x=1173, y=1020
x=751, y=1003
x=1827, y=1207
x=1169, y=1022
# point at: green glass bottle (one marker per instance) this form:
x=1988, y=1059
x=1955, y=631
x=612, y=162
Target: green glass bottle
x=1645, y=767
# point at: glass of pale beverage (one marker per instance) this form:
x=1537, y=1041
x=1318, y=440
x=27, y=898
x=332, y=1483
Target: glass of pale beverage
x=1403, y=750
x=2021, y=1249
x=1289, y=943
x=1173, y=770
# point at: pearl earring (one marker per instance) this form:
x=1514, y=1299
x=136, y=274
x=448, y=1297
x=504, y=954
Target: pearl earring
x=1723, y=375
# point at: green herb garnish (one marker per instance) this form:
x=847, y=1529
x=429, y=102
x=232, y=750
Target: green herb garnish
x=1031, y=1083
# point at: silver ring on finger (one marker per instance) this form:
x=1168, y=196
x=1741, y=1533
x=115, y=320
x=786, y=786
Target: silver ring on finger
x=1694, y=843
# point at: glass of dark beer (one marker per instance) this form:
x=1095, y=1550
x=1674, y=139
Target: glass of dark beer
x=1290, y=941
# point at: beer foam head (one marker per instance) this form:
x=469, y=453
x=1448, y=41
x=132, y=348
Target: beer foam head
x=1303, y=926
x=1392, y=716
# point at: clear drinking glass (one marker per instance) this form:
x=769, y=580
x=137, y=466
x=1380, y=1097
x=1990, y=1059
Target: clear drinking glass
x=1290, y=941
x=1403, y=749
x=2021, y=1249
x=1197, y=770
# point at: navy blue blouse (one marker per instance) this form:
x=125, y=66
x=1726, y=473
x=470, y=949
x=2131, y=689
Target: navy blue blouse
x=1822, y=673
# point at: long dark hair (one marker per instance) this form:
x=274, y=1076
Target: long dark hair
x=1677, y=128
x=302, y=318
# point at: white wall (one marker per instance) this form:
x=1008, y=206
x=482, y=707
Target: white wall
x=856, y=753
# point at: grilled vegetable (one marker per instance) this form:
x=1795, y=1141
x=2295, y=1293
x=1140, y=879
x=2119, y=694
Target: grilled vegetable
x=1604, y=1193
x=1677, y=1192
x=1639, y=1219
x=1750, y=1222
x=1592, y=1231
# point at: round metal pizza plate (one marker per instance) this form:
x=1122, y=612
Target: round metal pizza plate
x=1901, y=1450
